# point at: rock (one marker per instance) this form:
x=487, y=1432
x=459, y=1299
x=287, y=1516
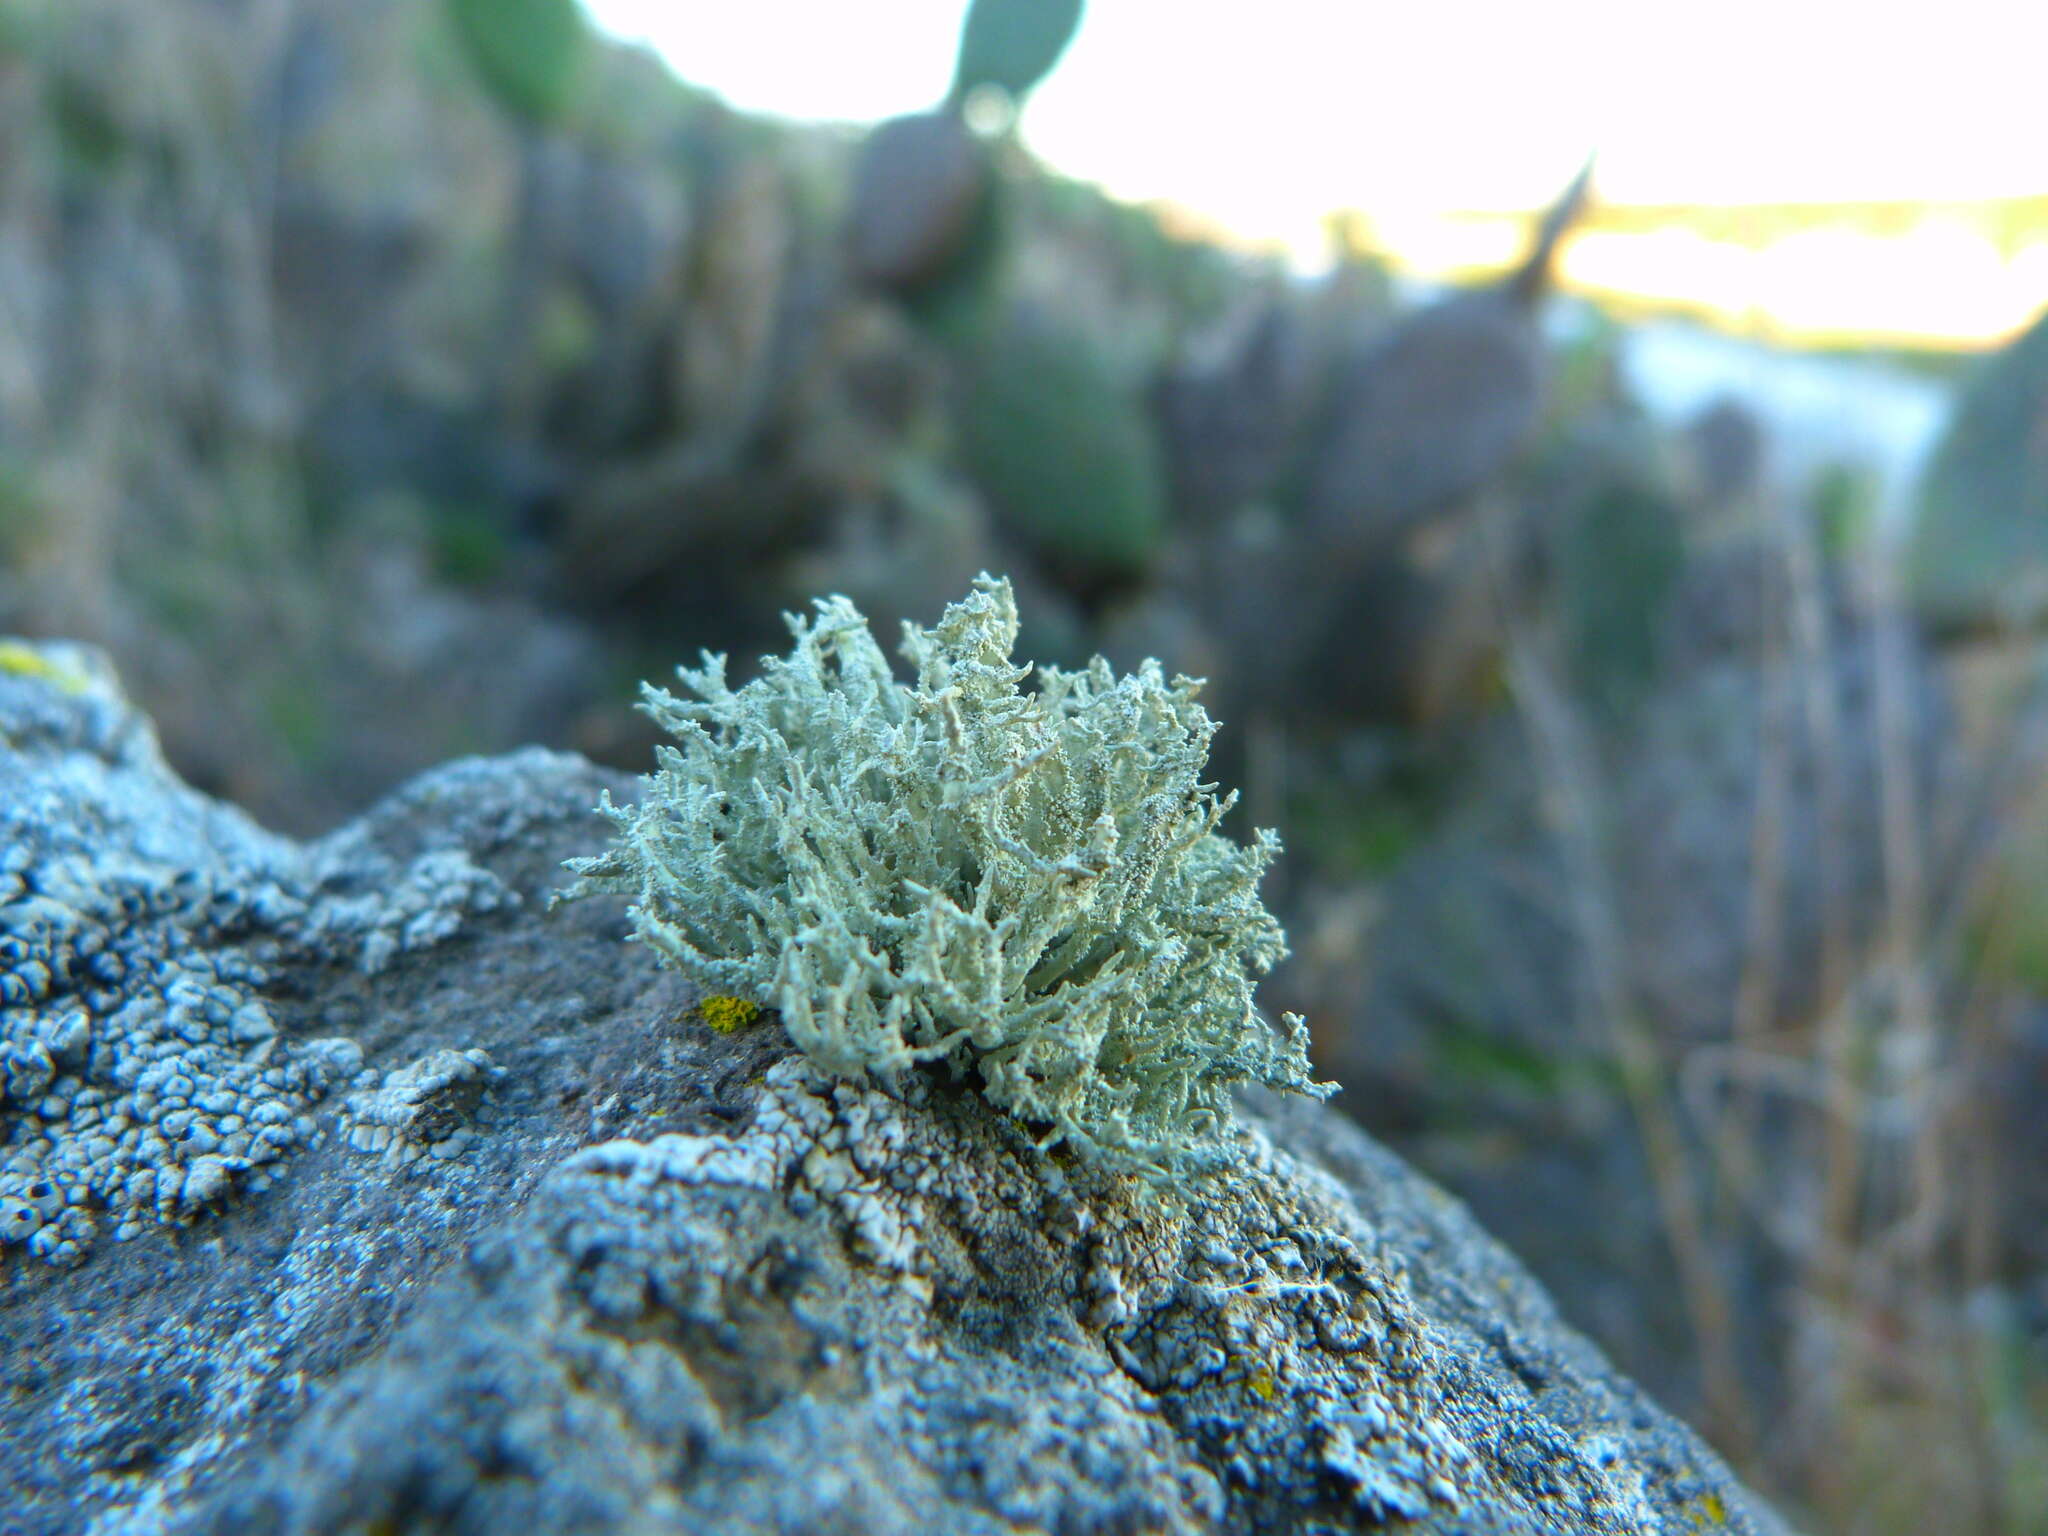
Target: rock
x=333, y=275
x=627, y=234
x=750, y=323
x=647, y=1276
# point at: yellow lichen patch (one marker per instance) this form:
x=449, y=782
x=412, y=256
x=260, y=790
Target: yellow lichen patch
x=18, y=660
x=728, y=1015
x=1705, y=1513
x=1261, y=1385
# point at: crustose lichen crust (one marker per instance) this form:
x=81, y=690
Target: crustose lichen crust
x=1027, y=885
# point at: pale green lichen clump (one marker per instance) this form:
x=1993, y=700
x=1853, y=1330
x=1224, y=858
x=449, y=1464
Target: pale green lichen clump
x=1025, y=885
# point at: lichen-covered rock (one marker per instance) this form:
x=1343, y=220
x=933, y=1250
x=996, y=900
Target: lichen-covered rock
x=144, y=1076
x=422, y=1110
x=681, y=1280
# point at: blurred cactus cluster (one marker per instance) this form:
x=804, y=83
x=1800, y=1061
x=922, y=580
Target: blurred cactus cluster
x=387, y=379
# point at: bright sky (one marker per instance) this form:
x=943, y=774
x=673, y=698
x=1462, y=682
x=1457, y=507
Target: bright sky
x=1266, y=116
x=1263, y=119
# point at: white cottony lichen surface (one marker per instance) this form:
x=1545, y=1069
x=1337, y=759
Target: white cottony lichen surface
x=1027, y=885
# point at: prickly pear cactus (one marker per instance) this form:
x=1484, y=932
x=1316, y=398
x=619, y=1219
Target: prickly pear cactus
x=1064, y=452
x=1013, y=44
x=1979, y=553
x=527, y=52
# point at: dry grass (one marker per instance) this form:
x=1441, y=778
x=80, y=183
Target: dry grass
x=1851, y=1149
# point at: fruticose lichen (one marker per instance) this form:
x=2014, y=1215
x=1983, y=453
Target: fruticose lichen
x=1025, y=885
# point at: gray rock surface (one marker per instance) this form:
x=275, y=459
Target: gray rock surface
x=542, y=1253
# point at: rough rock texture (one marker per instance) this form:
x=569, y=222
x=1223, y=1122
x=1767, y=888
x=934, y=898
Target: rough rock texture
x=558, y=1258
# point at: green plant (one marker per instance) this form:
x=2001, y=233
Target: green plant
x=1978, y=554
x=469, y=545
x=527, y=52
x=961, y=305
x=1845, y=509
x=92, y=139
x=1027, y=886
x=1065, y=453
x=1012, y=44
x=21, y=28
x=1619, y=554
x=24, y=519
